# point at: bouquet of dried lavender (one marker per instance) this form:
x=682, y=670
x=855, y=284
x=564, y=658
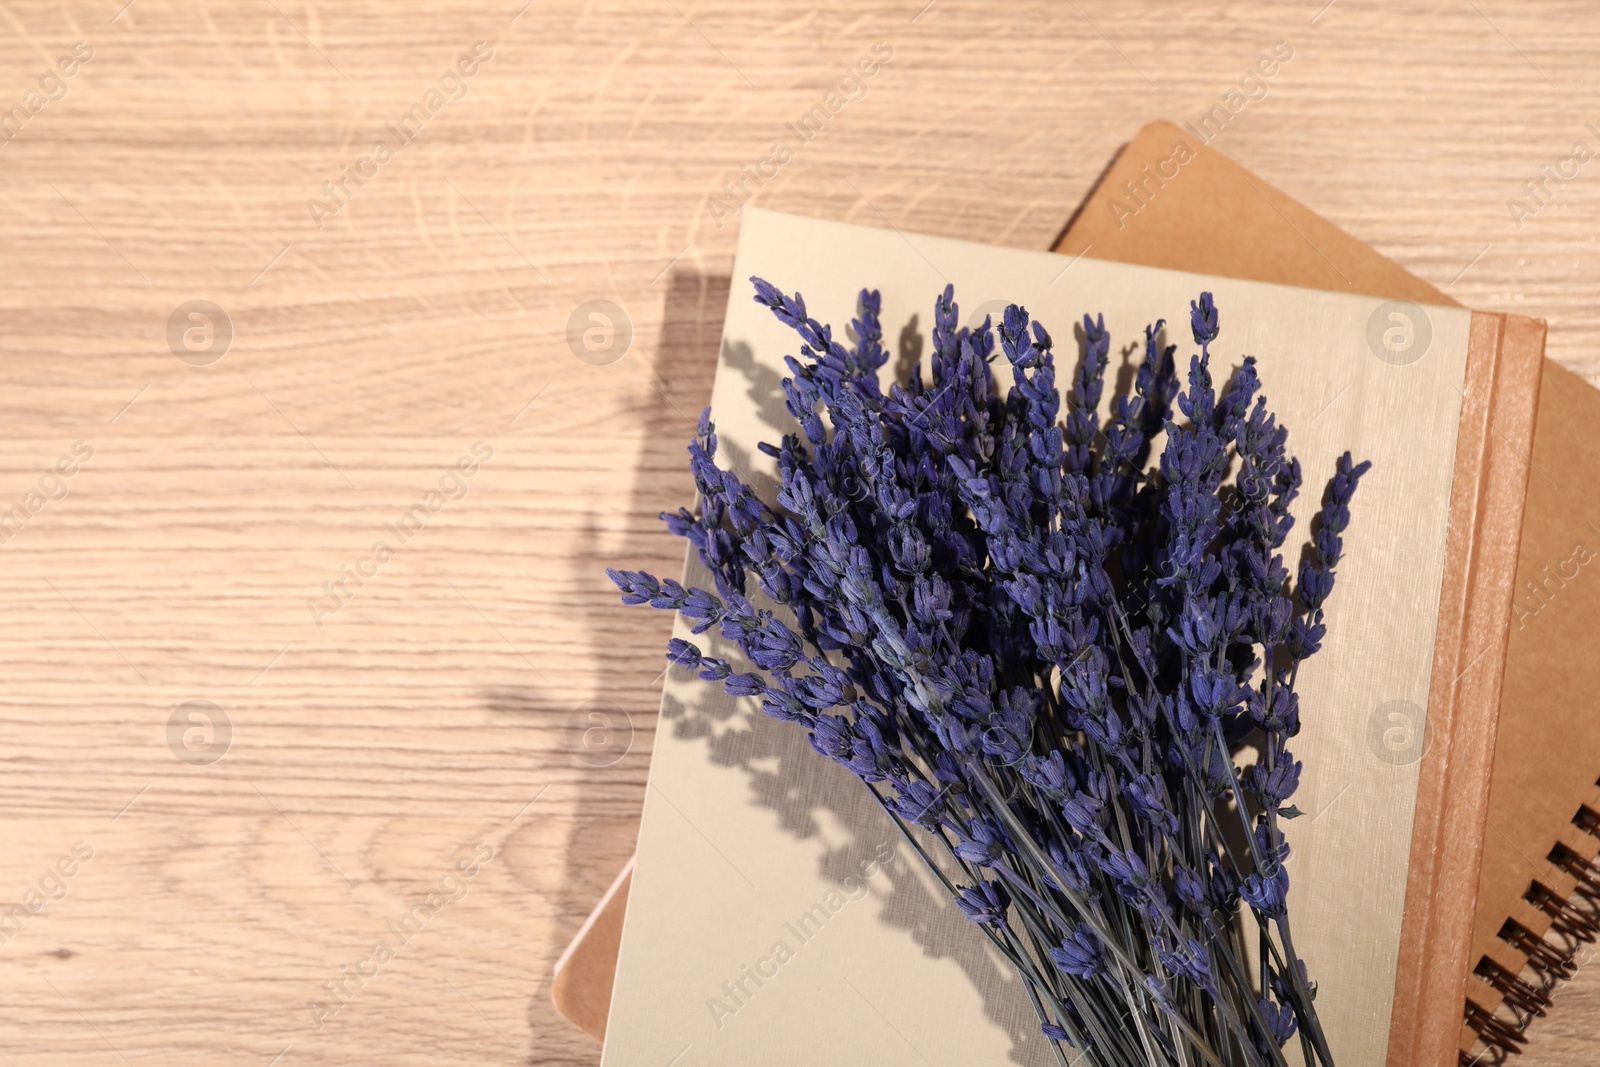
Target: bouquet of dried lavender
x=1048, y=654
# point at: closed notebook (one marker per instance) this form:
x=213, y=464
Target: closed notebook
x=1232, y=222
x=745, y=832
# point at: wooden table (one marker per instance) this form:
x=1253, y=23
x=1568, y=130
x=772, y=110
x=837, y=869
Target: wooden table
x=380, y=722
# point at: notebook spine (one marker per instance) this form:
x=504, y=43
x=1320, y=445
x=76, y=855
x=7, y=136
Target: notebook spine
x=1546, y=957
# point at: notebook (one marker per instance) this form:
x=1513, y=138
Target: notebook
x=1260, y=232
x=1369, y=801
x=1541, y=879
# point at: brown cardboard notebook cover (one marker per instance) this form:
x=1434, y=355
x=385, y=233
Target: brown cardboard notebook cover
x=1241, y=238
x=1543, y=801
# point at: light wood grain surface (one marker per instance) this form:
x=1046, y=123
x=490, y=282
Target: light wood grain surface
x=438, y=717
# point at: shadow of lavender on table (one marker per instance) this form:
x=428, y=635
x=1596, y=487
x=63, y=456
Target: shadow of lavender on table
x=605, y=765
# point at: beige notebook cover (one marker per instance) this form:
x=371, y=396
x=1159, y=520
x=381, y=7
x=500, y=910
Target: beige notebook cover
x=774, y=920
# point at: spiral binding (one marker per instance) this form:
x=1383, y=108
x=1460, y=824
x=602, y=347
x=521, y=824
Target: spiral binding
x=1551, y=957
x=1579, y=868
x=1527, y=1000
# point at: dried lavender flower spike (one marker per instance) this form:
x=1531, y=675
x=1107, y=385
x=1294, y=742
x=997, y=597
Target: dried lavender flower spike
x=1043, y=655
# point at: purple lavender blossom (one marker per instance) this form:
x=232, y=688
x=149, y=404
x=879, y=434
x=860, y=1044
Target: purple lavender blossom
x=1046, y=653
